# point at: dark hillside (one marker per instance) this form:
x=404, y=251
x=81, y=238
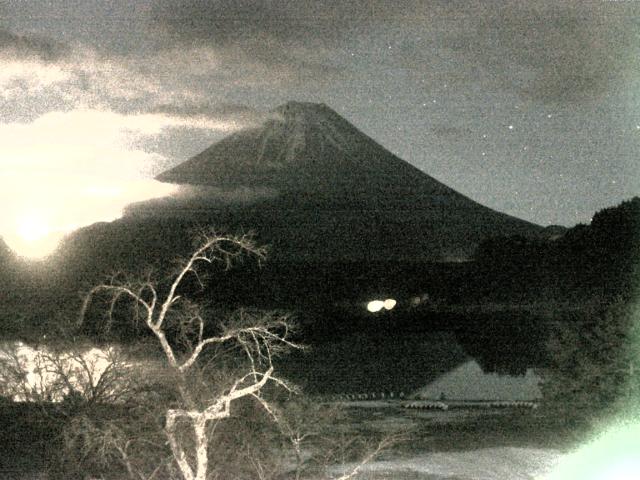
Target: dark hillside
x=599, y=260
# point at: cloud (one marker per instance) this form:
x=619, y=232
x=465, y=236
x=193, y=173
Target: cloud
x=544, y=51
x=223, y=22
x=31, y=47
x=285, y=42
x=548, y=52
x=19, y=77
x=79, y=129
x=89, y=141
x=31, y=85
x=229, y=115
x=28, y=66
x=171, y=82
x=70, y=169
x=572, y=51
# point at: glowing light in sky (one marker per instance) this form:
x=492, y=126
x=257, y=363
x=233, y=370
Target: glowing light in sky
x=389, y=303
x=15, y=76
x=66, y=170
x=32, y=227
x=40, y=210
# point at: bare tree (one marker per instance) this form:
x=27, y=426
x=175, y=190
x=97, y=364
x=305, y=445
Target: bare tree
x=53, y=374
x=180, y=330
x=73, y=383
x=21, y=378
x=322, y=443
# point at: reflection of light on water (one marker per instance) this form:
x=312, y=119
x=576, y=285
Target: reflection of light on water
x=614, y=455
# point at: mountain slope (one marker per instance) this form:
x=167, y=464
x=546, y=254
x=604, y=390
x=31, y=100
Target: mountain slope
x=305, y=148
x=332, y=182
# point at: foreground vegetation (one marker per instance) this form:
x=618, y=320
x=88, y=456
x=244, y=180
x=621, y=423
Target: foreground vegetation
x=193, y=391
x=195, y=397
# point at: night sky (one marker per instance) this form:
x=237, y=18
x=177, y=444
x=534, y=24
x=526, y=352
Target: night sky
x=531, y=108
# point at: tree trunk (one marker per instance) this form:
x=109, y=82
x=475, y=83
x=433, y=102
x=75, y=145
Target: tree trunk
x=202, y=444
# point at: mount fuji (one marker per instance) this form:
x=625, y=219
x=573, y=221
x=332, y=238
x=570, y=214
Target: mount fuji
x=317, y=189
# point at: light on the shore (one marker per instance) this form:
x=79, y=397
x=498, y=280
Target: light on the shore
x=389, y=303
x=375, y=306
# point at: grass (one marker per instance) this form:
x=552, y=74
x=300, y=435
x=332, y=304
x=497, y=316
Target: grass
x=462, y=429
x=27, y=435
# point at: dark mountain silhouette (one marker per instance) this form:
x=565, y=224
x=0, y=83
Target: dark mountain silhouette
x=309, y=149
x=8, y=264
x=346, y=221
x=6, y=255
x=599, y=260
x=318, y=189
x=339, y=213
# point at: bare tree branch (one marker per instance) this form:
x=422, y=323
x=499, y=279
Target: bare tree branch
x=384, y=444
x=260, y=336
